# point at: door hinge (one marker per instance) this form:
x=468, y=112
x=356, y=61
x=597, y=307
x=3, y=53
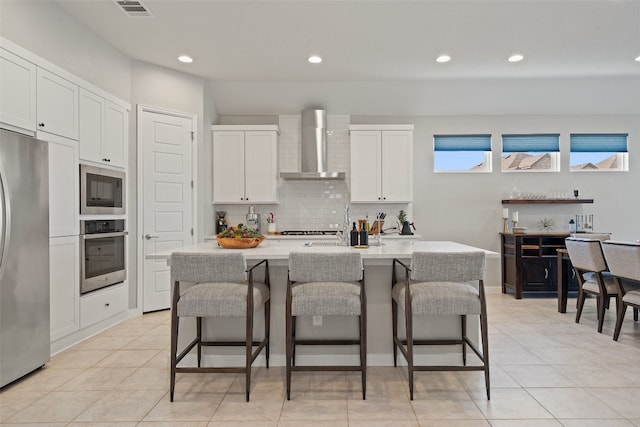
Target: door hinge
x=192, y=231
x=192, y=136
x=191, y=183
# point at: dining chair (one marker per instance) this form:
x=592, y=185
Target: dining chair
x=592, y=273
x=222, y=287
x=325, y=284
x=440, y=283
x=623, y=259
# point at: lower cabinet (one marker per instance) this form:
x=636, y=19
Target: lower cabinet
x=103, y=304
x=530, y=262
x=64, y=285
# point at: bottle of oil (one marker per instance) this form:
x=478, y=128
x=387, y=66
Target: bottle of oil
x=353, y=238
x=364, y=235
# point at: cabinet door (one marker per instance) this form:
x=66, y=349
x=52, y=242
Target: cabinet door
x=18, y=89
x=64, y=202
x=228, y=166
x=64, y=285
x=397, y=166
x=261, y=166
x=57, y=105
x=366, y=166
x=114, y=143
x=91, y=130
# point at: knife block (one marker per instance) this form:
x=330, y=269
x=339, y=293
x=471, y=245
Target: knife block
x=376, y=227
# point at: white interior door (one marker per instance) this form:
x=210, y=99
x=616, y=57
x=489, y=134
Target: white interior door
x=167, y=200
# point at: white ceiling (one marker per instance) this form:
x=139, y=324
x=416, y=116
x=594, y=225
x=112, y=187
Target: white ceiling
x=365, y=41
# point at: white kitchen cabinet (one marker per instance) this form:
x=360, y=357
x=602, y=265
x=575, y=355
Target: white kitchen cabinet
x=245, y=164
x=103, y=304
x=381, y=163
x=64, y=198
x=18, y=92
x=64, y=285
x=103, y=130
x=56, y=105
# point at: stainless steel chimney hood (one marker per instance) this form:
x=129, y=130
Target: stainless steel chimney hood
x=313, y=149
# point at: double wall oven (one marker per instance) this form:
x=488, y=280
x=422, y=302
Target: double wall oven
x=102, y=229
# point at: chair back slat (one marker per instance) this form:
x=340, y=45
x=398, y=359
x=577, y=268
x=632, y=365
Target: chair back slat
x=595, y=236
x=325, y=267
x=447, y=266
x=586, y=254
x=202, y=267
x=623, y=259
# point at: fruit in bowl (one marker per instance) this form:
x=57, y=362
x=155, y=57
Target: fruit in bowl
x=239, y=237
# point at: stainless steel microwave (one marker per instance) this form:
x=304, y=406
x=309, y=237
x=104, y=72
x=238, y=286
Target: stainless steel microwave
x=102, y=191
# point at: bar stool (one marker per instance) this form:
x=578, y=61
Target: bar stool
x=437, y=283
x=221, y=289
x=325, y=284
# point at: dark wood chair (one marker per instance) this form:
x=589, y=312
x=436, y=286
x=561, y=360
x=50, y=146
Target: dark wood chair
x=624, y=263
x=325, y=284
x=437, y=283
x=223, y=287
x=592, y=273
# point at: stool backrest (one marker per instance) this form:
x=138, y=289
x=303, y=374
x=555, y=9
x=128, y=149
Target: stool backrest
x=202, y=267
x=586, y=254
x=447, y=266
x=623, y=259
x=325, y=267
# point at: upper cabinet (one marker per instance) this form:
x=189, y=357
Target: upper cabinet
x=245, y=164
x=381, y=163
x=57, y=105
x=103, y=130
x=18, y=89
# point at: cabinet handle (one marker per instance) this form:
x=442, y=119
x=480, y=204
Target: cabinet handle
x=546, y=273
x=41, y=125
x=378, y=198
x=106, y=304
x=241, y=198
x=384, y=198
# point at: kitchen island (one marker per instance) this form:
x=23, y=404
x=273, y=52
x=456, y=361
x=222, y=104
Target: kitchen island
x=377, y=262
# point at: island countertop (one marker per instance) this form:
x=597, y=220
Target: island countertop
x=280, y=250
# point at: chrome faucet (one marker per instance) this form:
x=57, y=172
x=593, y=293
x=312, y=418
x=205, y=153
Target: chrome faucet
x=343, y=233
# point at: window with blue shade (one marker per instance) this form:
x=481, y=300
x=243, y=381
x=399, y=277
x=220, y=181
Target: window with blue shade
x=538, y=152
x=598, y=151
x=462, y=153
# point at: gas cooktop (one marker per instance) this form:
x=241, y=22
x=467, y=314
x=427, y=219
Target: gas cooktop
x=308, y=233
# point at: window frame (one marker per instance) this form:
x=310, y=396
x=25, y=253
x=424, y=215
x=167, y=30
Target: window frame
x=488, y=157
x=555, y=156
x=622, y=156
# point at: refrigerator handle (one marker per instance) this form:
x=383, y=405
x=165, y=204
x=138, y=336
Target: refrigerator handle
x=5, y=219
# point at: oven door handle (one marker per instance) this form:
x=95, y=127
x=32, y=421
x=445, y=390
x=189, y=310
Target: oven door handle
x=103, y=235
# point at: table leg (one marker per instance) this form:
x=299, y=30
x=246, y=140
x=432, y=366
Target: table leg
x=563, y=287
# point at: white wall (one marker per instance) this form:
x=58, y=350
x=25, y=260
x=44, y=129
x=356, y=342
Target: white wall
x=45, y=29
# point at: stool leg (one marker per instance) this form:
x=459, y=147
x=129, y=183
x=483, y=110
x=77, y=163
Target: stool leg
x=267, y=327
x=409, y=327
x=484, y=332
x=601, y=306
x=199, y=336
x=174, y=352
x=289, y=354
x=394, y=315
x=635, y=314
x=248, y=353
x=363, y=352
x=463, y=323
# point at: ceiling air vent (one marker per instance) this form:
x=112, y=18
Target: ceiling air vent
x=134, y=8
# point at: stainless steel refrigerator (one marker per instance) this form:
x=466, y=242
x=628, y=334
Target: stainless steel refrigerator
x=24, y=255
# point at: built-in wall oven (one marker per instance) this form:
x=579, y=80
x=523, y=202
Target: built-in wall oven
x=102, y=191
x=102, y=254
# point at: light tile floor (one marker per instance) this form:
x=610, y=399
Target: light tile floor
x=546, y=371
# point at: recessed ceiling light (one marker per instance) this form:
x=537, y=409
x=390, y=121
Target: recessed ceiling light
x=314, y=59
x=516, y=58
x=185, y=58
x=637, y=58
x=443, y=58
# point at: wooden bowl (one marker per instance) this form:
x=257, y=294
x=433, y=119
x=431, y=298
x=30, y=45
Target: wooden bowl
x=241, y=243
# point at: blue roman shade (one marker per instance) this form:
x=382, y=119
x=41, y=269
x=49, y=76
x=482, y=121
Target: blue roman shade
x=598, y=142
x=462, y=142
x=540, y=143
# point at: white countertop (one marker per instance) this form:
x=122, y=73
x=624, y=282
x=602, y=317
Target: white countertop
x=314, y=238
x=280, y=249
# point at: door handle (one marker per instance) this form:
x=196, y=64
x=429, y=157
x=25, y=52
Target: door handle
x=5, y=218
x=151, y=236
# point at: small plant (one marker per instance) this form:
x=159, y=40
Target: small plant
x=240, y=232
x=402, y=216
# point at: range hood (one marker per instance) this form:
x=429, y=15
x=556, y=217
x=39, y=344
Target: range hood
x=313, y=149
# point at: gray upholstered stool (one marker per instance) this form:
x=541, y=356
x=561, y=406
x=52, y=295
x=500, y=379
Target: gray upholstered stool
x=592, y=273
x=437, y=283
x=325, y=284
x=623, y=259
x=221, y=289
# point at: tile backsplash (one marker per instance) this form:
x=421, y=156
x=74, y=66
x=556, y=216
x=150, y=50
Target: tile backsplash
x=312, y=205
